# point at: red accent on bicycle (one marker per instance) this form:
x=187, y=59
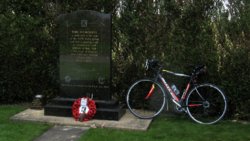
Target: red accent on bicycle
x=150, y=92
x=194, y=105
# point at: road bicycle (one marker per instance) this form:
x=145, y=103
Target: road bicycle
x=204, y=103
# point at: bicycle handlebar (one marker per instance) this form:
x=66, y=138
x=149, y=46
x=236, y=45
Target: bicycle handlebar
x=202, y=69
x=152, y=64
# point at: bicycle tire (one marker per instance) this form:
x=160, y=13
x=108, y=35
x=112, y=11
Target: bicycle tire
x=145, y=99
x=206, y=104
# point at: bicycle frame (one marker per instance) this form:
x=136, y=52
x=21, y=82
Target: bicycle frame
x=178, y=101
x=195, y=99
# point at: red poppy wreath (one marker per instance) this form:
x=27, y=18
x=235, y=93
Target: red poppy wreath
x=83, y=109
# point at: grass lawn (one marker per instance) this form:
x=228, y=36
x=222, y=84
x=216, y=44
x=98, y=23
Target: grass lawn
x=171, y=129
x=163, y=128
x=16, y=130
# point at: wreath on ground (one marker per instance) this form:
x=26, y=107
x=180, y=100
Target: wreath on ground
x=83, y=109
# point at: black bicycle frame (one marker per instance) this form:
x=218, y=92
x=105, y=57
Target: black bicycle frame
x=178, y=101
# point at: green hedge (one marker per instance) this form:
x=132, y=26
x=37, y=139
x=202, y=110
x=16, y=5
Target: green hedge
x=176, y=32
x=27, y=53
x=183, y=33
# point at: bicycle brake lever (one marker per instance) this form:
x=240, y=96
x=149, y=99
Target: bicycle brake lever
x=146, y=64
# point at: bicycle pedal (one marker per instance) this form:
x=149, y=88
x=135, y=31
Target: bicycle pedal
x=177, y=103
x=180, y=109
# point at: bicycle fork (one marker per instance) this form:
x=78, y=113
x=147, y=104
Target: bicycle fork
x=150, y=91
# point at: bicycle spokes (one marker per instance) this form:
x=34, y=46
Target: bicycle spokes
x=206, y=104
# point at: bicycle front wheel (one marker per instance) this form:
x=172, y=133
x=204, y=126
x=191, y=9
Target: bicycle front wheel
x=145, y=98
x=206, y=104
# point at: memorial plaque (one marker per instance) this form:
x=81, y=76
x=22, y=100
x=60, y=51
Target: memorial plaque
x=84, y=39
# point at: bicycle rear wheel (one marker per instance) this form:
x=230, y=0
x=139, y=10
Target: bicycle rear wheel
x=206, y=104
x=145, y=98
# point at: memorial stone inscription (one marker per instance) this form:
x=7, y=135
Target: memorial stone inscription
x=84, y=39
x=85, y=49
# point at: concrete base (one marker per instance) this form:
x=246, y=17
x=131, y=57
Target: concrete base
x=105, y=109
x=128, y=121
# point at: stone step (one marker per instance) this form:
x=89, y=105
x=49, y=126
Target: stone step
x=114, y=113
x=69, y=102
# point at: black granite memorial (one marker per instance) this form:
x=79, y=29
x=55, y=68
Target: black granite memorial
x=84, y=39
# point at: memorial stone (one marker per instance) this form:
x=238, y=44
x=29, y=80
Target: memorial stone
x=84, y=39
x=85, y=51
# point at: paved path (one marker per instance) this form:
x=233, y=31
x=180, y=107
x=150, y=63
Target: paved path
x=62, y=133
